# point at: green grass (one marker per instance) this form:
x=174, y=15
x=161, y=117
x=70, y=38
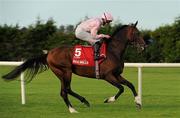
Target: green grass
x=161, y=96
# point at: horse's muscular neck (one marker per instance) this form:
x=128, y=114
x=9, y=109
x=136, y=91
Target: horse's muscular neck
x=118, y=44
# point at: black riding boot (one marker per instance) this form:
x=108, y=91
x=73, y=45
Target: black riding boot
x=97, y=46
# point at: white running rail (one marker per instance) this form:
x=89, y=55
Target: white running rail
x=136, y=65
x=5, y=63
x=141, y=65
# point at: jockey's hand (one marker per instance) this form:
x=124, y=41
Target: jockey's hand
x=107, y=36
x=100, y=36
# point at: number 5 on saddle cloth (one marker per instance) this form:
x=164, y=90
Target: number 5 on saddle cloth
x=84, y=56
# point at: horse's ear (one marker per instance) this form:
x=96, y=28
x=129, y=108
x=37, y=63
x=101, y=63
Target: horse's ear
x=135, y=23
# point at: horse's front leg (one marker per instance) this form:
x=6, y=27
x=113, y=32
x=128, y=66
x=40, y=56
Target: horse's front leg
x=112, y=80
x=131, y=86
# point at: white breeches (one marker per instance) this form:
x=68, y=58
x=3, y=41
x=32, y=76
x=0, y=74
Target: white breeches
x=85, y=36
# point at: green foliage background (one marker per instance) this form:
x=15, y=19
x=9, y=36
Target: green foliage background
x=17, y=43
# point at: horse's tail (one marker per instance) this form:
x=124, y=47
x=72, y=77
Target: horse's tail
x=33, y=65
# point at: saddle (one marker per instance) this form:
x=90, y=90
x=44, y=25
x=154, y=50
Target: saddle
x=84, y=55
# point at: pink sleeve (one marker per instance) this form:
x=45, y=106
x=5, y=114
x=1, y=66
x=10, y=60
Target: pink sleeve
x=95, y=29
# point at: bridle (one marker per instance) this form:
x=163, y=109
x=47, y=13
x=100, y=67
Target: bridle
x=134, y=37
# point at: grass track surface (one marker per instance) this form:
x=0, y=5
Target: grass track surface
x=161, y=96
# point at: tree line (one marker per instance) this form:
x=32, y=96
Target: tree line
x=19, y=43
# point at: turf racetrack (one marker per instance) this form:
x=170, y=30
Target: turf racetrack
x=161, y=96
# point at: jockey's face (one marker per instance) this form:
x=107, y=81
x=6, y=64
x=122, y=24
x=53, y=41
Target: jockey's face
x=106, y=21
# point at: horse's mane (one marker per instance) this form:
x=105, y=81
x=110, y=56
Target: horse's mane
x=120, y=27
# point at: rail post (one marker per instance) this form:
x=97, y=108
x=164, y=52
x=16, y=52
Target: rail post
x=23, y=99
x=140, y=83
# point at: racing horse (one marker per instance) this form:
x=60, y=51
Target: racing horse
x=59, y=60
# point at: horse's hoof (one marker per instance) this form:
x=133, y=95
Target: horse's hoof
x=109, y=100
x=138, y=102
x=106, y=101
x=72, y=110
x=138, y=106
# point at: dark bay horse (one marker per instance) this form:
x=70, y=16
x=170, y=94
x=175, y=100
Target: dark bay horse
x=59, y=60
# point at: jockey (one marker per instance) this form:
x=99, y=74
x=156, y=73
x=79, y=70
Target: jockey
x=87, y=31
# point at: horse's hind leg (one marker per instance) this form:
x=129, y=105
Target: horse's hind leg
x=64, y=95
x=65, y=78
x=66, y=89
x=112, y=80
x=67, y=83
x=131, y=86
x=82, y=99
